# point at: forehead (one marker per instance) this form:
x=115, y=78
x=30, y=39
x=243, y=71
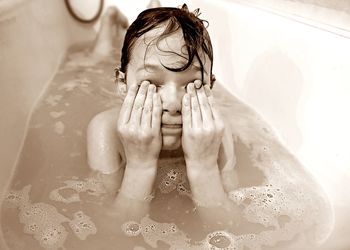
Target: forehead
x=170, y=50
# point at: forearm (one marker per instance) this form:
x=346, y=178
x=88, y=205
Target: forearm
x=136, y=190
x=209, y=195
x=206, y=187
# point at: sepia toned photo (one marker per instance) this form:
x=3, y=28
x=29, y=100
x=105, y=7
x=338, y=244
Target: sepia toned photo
x=175, y=125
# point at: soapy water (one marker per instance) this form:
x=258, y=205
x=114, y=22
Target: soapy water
x=55, y=202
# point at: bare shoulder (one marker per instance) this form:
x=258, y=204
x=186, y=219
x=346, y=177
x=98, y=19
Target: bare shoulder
x=104, y=148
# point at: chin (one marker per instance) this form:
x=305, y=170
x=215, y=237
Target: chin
x=171, y=142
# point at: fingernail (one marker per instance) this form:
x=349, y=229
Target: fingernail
x=198, y=83
x=207, y=89
x=152, y=87
x=190, y=86
x=145, y=83
x=190, y=89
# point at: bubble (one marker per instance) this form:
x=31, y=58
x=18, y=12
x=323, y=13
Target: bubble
x=79, y=215
x=56, y=115
x=82, y=226
x=175, y=176
x=131, y=228
x=89, y=185
x=17, y=198
x=237, y=196
x=56, y=196
x=69, y=86
x=52, y=237
x=166, y=186
x=220, y=240
x=31, y=228
x=182, y=190
x=40, y=213
x=53, y=99
x=153, y=231
x=59, y=127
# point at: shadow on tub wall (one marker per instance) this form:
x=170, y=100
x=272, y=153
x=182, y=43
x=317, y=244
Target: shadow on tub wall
x=274, y=84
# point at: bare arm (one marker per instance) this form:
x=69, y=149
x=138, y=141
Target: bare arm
x=139, y=132
x=203, y=131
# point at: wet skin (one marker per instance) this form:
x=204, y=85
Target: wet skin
x=163, y=110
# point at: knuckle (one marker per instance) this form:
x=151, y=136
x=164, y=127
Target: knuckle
x=131, y=131
x=196, y=133
x=121, y=129
x=145, y=135
x=207, y=131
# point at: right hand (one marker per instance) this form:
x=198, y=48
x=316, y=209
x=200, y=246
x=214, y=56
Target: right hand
x=139, y=125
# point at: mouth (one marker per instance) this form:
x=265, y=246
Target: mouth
x=171, y=129
x=174, y=126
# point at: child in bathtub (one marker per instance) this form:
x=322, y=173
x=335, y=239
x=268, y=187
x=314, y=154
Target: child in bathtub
x=166, y=79
x=168, y=110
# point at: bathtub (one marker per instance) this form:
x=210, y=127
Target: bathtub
x=34, y=36
x=252, y=62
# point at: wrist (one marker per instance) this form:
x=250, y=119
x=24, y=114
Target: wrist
x=138, y=183
x=200, y=165
x=206, y=186
x=142, y=164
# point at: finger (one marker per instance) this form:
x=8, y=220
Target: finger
x=156, y=112
x=207, y=89
x=216, y=114
x=125, y=110
x=146, y=118
x=139, y=103
x=205, y=109
x=195, y=111
x=186, y=112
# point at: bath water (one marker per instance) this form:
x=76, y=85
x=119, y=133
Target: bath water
x=55, y=201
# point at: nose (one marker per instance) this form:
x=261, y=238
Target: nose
x=171, y=97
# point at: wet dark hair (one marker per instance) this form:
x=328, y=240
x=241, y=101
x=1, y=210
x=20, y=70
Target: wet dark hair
x=196, y=36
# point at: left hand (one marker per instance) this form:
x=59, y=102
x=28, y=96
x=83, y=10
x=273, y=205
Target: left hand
x=203, y=126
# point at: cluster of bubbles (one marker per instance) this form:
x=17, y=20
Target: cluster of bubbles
x=153, y=231
x=40, y=220
x=172, y=176
x=82, y=226
x=90, y=185
x=220, y=240
x=285, y=206
x=44, y=222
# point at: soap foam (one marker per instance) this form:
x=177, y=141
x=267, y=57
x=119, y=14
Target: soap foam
x=82, y=226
